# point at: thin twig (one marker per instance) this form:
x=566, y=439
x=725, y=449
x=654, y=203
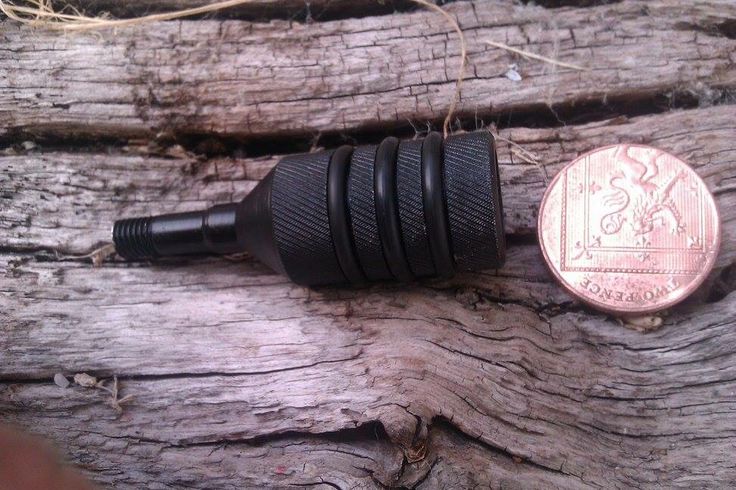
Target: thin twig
x=535, y=56
x=87, y=381
x=98, y=255
x=115, y=402
x=525, y=155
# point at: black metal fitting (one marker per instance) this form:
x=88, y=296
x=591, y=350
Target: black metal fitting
x=398, y=210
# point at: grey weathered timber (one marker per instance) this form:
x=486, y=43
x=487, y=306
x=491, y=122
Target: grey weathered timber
x=217, y=351
x=241, y=379
x=129, y=184
x=283, y=78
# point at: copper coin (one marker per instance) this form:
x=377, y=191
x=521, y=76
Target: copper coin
x=629, y=229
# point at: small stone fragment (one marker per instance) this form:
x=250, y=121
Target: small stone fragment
x=61, y=380
x=642, y=323
x=84, y=379
x=512, y=73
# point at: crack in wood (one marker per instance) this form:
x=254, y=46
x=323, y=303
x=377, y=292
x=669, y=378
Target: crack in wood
x=14, y=378
x=492, y=379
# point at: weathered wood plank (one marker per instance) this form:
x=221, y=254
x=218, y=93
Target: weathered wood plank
x=241, y=379
x=288, y=78
x=216, y=351
x=532, y=386
x=67, y=202
x=356, y=459
x=110, y=328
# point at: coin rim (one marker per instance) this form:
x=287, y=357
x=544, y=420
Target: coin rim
x=691, y=287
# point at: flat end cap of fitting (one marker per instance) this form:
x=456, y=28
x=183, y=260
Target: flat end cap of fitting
x=474, y=204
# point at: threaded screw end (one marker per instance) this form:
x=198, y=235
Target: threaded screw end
x=133, y=238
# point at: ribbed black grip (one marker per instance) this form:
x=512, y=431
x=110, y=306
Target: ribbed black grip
x=300, y=221
x=398, y=210
x=473, y=198
x=411, y=208
x=361, y=201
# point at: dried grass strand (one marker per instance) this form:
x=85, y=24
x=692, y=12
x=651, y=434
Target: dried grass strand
x=525, y=155
x=98, y=255
x=538, y=57
x=42, y=15
x=463, y=61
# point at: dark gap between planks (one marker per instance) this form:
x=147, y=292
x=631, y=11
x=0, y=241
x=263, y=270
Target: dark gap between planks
x=295, y=10
x=236, y=146
x=257, y=11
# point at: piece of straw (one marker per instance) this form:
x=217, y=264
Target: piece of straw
x=535, y=56
x=41, y=14
x=463, y=61
x=98, y=255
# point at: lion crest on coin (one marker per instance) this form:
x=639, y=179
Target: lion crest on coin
x=636, y=200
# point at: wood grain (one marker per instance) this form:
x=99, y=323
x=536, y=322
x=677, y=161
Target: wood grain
x=503, y=357
x=284, y=78
x=78, y=196
x=241, y=379
x=528, y=383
